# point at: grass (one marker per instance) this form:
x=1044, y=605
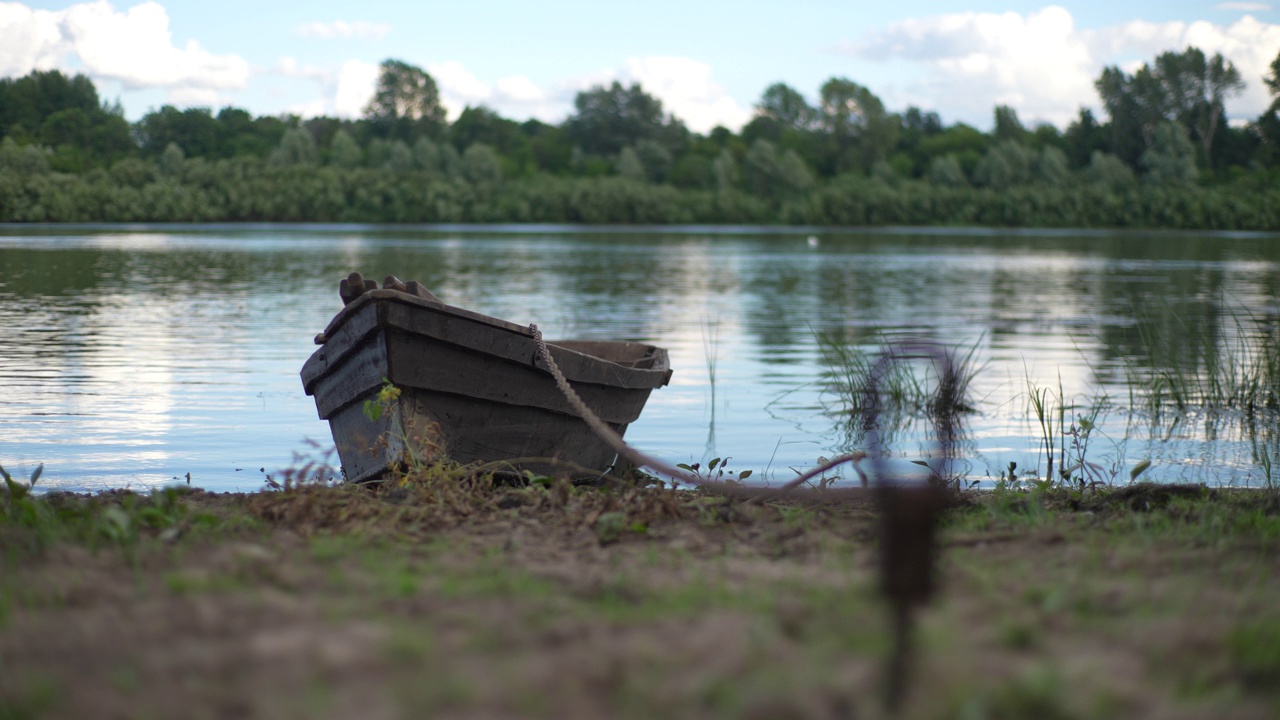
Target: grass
x=446, y=593
x=1236, y=369
x=889, y=389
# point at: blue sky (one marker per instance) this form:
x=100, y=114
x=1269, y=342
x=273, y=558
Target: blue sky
x=708, y=61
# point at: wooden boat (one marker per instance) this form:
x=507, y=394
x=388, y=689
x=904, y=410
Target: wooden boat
x=470, y=386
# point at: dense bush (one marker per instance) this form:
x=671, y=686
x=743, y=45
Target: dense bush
x=175, y=189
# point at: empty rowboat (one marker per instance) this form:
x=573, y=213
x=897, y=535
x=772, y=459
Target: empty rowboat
x=467, y=385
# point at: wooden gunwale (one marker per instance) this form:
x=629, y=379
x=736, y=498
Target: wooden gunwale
x=452, y=331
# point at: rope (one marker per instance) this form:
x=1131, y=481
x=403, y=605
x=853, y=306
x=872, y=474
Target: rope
x=639, y=459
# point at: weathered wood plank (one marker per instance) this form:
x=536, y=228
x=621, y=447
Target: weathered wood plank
x=475, y=380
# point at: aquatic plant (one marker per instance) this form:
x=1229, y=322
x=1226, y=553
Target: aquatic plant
x=1214, y=372
x=906, y=391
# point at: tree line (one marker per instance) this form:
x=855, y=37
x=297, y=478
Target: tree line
x=1162, y=157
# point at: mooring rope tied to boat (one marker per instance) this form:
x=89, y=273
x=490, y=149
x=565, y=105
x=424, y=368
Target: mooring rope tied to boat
x=639, y=459
x=909, y=512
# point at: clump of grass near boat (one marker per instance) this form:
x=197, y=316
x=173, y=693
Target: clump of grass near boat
x=31, y=523
x=905, y=391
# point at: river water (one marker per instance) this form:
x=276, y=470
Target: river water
x=132, y=356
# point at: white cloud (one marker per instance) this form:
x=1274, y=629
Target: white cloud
x=29, y=40
x=134, y=47
x=343, y=29
x=354, y=88
x=686, y=90
x=684, y=86
x=459, y=87
x=1044, y=66
x=195, y=97
x=521, y=89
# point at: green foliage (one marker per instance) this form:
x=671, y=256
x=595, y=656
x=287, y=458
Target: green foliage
x=770, y=175
x=607, y=119
x=859, y=130
x=786, y=106
x=172, y=161
x=628, y=164
x=620, y=158
x=1008, y=128
x=1008, y=164
x=399, y=157
x=1170, y=159
x=1184, y=88
x=724, y=170
x=297, y=147
x=26, y=160
x=1108, y=171
x=344, y=152
x=1052, y=167
x=406, y=101
x=1255, y=652
x=481, y=165
x=717, y=471
x=945, y=171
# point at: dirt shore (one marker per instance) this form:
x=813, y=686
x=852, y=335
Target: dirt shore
x=460, y=599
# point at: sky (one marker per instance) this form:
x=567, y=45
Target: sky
x=709, y=61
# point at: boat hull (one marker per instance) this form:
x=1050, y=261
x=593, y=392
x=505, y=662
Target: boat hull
x=470, y=387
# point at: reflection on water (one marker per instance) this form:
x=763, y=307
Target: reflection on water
x=132, y=356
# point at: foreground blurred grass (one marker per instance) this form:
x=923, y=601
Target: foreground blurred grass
x=451, y=595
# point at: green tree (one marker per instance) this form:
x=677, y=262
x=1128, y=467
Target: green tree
x=481, y=165
x=399, y=157
x=945, y=171
x=628, y=164
x=344, y=152
x=1184, y=87
x=24, y=160
x=1171, y=159
x=194, y=130
x=655, y=159
x=1052, y=167
x=406, y=103
x=172, y=160
x=759, y=167
x=1009, y=164
x=724, y=170
x=786, y=106
x=297, y=147
x=27, y=101
x=1267, y=126
x=239, y=133
x=858, y=129
x=607, y=119
x=1007, y=125
x=1108, y=171
x=1084, y=137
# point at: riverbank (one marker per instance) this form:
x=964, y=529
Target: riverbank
x=467, y=600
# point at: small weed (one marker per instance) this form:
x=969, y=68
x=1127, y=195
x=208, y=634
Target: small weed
x=1255, y=653
x=1037, y=694
x=717, y=471
x=39, y=698
x=796, y=516
x=610, y=527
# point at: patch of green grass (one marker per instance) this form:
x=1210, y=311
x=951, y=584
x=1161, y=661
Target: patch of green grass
x=185, y=582
x=1254, y=649
x=36, y=701
x=1040, y=693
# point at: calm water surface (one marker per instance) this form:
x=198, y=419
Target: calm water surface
x=132, y=356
